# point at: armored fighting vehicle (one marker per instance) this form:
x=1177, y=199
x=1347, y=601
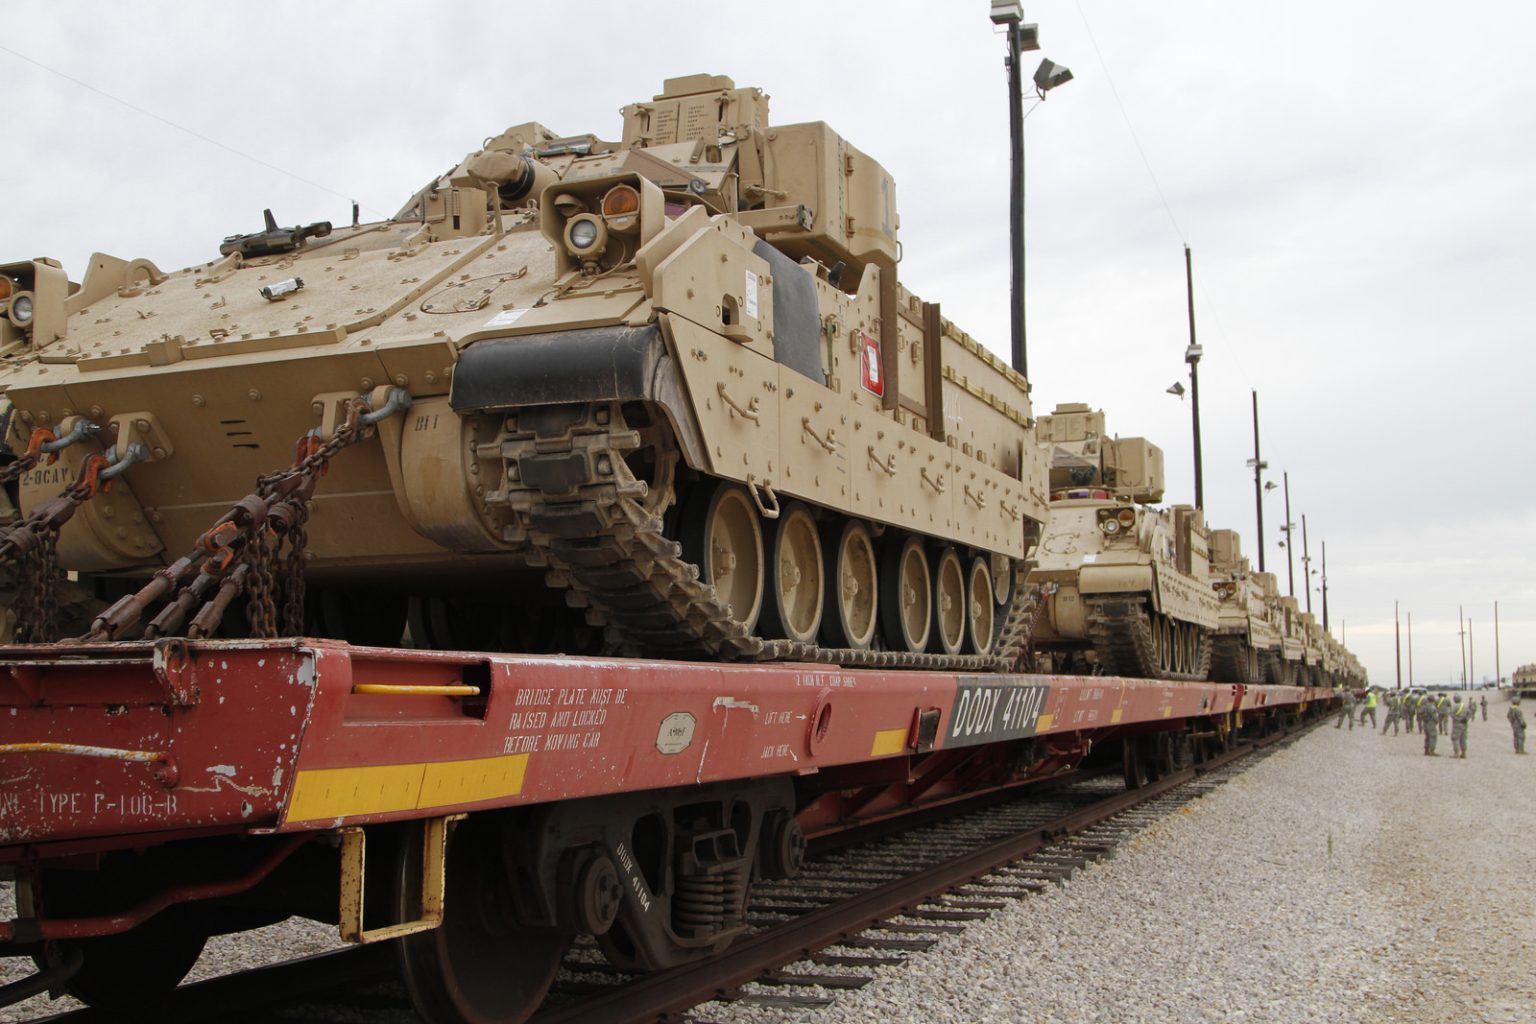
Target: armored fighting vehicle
x=1293, y=642
x=665, y=395
x=1129, y=585
x=1246, y=647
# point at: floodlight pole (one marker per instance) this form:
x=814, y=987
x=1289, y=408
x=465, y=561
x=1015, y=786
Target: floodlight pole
x=1397, y=629
x=1016, y=198
x=1461, y=631
x=1258, y=483
x=1290, y=540
x=1498, y=679
x=1325, y=586
x=1192, y=357
x=1306, y=564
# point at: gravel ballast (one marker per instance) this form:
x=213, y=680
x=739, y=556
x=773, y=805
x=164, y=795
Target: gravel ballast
x=1345, y=878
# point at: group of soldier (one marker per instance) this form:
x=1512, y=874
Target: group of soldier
x=1435, y=714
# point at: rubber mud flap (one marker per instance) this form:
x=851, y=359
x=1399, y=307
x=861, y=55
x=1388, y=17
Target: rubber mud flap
x=595, y=364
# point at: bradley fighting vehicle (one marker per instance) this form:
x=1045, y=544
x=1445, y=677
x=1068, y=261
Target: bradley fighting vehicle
x=663, y=395
x=1132, y=584
x=1246, y=647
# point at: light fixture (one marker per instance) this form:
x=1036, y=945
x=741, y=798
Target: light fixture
x=21, y=309
x=1270, y=485
x=1049, y=75
x=1177, y=388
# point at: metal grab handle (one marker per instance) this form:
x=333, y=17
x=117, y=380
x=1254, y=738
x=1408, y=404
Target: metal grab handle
x=82, y=750
x=828, y=443
x=768, y=509
x=165, y=770
x=981, y=502
x=936, y=483
x=749, y=413
x=888, y=467
x=1008, y=510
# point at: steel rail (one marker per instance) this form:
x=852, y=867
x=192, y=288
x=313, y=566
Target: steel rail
x=655, y=996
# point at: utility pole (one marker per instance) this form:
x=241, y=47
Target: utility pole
x=1410, y=650
x=1397, y=627
x=1498, y=678
x=1462, y=632
x=1290, y=531
x=1258, y=484
x=1306, y=564
x=1192, y=357
x=1471, y=657
x=1325, y=586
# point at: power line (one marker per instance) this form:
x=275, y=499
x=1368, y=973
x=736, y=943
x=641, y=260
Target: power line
x=1130, y=127
x=179, y=127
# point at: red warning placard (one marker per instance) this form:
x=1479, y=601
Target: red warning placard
x=869, y=364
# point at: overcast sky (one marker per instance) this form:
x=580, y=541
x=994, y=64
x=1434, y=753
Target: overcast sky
x=1353, y=178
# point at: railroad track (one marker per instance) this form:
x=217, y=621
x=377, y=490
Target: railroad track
x=855, y=908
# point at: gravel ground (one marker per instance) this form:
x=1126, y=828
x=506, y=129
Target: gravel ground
x=1347, y=878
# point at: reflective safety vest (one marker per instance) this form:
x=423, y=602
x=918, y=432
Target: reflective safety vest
x=1370, y=699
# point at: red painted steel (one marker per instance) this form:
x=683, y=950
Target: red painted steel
x=240, y=723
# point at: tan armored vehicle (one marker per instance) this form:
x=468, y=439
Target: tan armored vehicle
x=1293, y=641
x=1246, y=647
x=665, y=394
x=1132, y=585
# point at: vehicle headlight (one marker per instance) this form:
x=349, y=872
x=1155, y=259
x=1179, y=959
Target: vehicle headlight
x=585, y=236
x=21, y=309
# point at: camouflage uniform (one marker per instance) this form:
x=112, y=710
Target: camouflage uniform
x=1369, y=711
x=1443, y=713
x=1461, y=714
x=1427, y=717
x=1483, y=701
x=1517, y=723
x=1346, y=709
x=1396, y=704
x=1410, y=709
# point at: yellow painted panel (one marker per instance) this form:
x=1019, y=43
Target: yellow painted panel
x=888, y=741
x=1044, y=722
x=379, y=789
x=341, y=792
x=1115, y=716
x=482, y=778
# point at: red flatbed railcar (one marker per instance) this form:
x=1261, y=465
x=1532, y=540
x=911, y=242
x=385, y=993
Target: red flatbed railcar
x=153, y=794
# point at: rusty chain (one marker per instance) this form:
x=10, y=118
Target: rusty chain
x=243, y=551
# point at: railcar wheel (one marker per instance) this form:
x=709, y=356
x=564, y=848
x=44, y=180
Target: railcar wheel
x=852, y=599
x=1134, y=762
x=722, y=535
x=906, y=593
x=795, y=597
x=949, y=603
x=980, y=610
x=479, y=966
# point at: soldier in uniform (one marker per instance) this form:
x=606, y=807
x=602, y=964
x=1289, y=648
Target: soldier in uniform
x=1393, y=702
x=1461, y=714
x=1517, y=723
x=1410, y=709
x=1427, y=716
x=1346, y=708
x=1483, y=701
x=1443, y=713
x=1369, y=711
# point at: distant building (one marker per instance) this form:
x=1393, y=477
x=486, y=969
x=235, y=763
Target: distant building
x=1524, y=680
